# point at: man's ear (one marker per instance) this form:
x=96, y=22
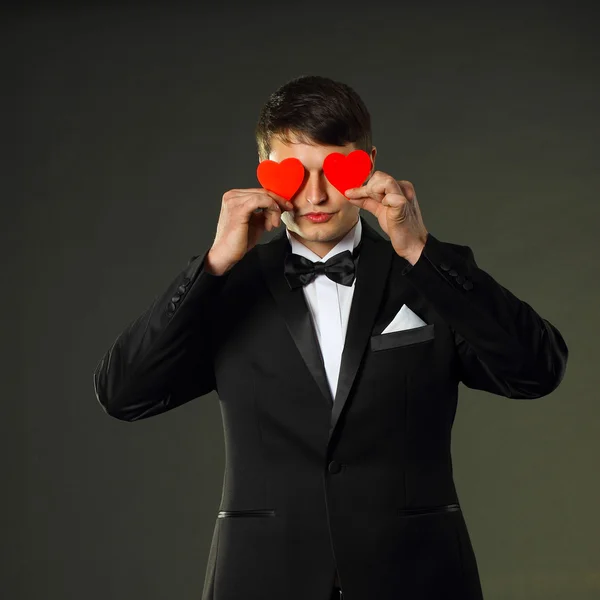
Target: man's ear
x=373, y=155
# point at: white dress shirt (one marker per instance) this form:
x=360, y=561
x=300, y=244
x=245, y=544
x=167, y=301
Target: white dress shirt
x=329, y=303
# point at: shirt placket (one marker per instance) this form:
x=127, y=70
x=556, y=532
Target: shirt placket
x=330, y=328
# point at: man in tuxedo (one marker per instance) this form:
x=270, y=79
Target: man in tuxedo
x=336, y=355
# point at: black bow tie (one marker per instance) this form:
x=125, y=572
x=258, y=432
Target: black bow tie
x=340, y=268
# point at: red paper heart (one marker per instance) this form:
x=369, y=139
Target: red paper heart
x=283, y=178
x=345, y=172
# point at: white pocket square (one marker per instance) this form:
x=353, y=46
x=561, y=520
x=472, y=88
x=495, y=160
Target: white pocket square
x=404, y=319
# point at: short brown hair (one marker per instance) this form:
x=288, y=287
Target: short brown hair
x=314, y=109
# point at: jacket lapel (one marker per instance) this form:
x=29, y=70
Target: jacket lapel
x=372, y=273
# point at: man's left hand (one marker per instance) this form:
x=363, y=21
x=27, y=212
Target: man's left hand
x=394, y=203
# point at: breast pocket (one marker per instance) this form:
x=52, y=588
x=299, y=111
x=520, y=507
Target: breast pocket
x=406, y=337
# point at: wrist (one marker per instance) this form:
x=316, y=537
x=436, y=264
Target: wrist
x=214, y=265
x=413, y=256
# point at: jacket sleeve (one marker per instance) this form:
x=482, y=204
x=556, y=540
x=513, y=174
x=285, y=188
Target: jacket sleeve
x=504, y=347
x=163, y=358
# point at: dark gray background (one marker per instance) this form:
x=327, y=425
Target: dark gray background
x=132, y=124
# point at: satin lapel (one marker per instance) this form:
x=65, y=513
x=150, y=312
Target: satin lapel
x=372, y=274
x=292, y=306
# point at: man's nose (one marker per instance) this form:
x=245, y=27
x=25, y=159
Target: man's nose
x=315, y=191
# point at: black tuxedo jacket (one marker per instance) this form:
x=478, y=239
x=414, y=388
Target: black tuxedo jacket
x=364, y=483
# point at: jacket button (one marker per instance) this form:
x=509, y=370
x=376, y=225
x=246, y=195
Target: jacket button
x=460, y=279
x=176, y=298
x=445, y=266
x=453, y=273
x=186, y=281
x=334, y=467
x=171, y=307
x=467, y=285
x=181, y=289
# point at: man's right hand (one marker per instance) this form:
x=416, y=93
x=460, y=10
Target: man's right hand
x=245, y=215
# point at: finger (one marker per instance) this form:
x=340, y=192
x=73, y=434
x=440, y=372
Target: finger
x=243, y=191
x=384, y=186
x=270, y=215
x=273, y=213
x=394, y=200
x=368, y=203
x=398, y=207
x=364, y=192
x=263, y=203
x=356, y=192
x=283, y=202
x=363, y=196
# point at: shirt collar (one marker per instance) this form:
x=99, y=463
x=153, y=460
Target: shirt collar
x=348, y=242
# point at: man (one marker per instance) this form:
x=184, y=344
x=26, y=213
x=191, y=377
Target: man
x=337, y=383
